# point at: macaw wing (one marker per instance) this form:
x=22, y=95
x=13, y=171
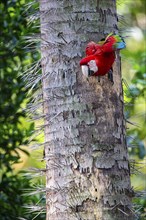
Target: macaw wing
x=92, y=48
x=99, y=51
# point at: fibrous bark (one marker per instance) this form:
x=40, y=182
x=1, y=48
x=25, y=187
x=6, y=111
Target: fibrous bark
x=85, y=145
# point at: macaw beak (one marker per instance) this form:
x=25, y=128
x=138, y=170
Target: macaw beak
x=120, y=45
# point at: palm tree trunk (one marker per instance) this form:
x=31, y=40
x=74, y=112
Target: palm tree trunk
x=85, y=146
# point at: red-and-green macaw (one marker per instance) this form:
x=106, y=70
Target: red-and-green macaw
x=100, y=57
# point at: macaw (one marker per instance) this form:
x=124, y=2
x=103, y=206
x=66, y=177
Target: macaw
x=100, y=57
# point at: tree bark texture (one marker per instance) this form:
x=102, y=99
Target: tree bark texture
x=87, y=175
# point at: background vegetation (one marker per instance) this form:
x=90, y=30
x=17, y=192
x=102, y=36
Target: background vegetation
x=134, y=81
x=15, y=130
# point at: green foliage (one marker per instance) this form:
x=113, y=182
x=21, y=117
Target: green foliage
x=134, y=59
x=12, y=91
x=13, y=201
x=136, y=134
x=134, y=70
x=140, y=207
x=136, y=108
x=14, y=129
x=133, y=12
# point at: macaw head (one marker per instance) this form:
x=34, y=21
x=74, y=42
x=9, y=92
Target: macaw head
x=113, y=42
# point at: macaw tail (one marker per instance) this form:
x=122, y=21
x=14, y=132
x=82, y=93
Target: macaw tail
x=120, y=45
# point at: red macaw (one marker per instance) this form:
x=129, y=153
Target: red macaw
x=100, y=57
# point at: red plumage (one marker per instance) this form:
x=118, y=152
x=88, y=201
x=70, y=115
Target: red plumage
x=102, y=56
x=92, y=48
x=104, y=62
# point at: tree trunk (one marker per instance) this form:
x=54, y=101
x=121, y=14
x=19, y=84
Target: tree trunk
x=87, y=174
